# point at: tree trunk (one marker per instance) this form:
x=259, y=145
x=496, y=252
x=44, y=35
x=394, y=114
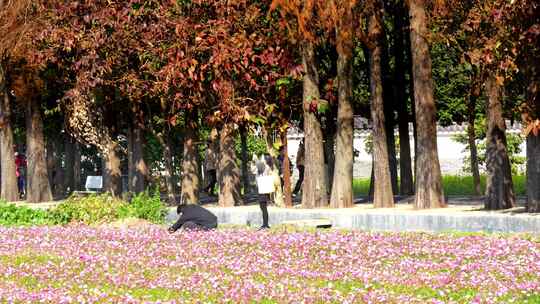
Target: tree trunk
x=112, y=174
x=49, y=156
x=72, y=178
x=245, y=160
x=314, y=193
x=190, y=167
x=499, y=188
x=39, y=189
x=415, y=130
x=165, y=141
x=59, y=179
x=406, y=186
x=77, y=166
x=286, y=169
x=69, y=164
x=533, y=146
x=329, y=143
x=229, y=173
x=342, y=190
x=8, y=188
x=371, y=180
x=51, y=164
x=54, y=166
x=389, y=105
x=383, y=195
x=533, y=173
x=472, y=145
x=130, y=159
x=409, y=63
x=429, y=191
x=138, y=170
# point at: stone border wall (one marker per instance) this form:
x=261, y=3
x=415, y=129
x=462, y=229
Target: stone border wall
x=381, y=220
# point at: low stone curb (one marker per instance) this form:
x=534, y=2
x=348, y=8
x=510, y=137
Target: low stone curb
x=438, y=220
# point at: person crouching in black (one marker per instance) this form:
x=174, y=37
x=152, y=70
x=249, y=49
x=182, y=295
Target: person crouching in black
x=194, y=217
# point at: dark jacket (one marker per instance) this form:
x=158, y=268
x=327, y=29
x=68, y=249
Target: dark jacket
x=198, y=215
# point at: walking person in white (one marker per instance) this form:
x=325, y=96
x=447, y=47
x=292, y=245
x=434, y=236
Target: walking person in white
x=265, y=185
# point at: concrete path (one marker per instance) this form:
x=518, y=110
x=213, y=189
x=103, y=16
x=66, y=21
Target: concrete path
x=402, y=218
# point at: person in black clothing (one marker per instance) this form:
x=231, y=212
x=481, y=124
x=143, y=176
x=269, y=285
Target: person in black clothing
x=194, y=217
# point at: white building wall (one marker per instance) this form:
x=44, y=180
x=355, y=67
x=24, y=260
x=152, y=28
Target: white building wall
x=451, y=154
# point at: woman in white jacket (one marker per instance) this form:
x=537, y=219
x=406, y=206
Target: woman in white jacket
x=265, y=183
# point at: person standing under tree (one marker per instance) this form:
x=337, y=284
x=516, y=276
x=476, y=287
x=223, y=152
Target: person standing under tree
x=266, y=186
x=300, y=167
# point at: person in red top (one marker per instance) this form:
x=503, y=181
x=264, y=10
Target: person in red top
x=20, y=165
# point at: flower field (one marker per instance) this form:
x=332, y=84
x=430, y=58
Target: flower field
x=84, y=264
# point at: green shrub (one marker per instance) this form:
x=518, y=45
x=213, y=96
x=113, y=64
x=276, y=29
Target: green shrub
x=89, y=210
x=92, y=209
x=147, y=207
x=12, y=215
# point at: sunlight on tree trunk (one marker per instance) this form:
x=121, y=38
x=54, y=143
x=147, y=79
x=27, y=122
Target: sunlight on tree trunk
x=229, y=173
x=190, y=167
x=314, y=191
x=112, y=174
x=429, y=191
x=8, y=188
x=382, y=187
x=342, y=191
x=138, y=171
x=499, y=188
x=39, y=189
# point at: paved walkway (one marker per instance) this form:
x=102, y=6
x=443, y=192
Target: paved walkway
x=467, y=218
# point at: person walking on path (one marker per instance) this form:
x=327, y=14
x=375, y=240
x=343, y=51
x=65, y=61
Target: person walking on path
x=265, y=184
x=194, y=217
x=300, y=167
x=211, y=160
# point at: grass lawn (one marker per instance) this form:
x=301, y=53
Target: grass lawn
x=105, y=265
x=454, y=185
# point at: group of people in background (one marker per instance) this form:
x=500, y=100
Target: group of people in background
x=264, y=166
x=211, y=165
